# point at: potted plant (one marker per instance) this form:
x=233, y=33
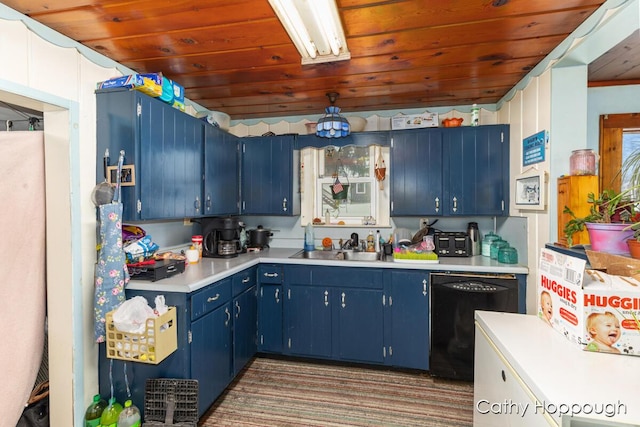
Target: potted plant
x=631, y=172
x=610, y=212
x=634, y=243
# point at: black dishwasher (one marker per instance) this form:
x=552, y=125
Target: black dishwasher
x=454, y=299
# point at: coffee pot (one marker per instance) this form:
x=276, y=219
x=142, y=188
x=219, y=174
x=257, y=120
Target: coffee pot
x=474, y=238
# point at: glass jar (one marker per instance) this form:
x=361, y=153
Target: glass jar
x=496, y=246
x=583, y=162
x=486, y=243
x=508, y=255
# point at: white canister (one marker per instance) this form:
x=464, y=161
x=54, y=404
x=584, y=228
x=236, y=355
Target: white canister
x=193, y=255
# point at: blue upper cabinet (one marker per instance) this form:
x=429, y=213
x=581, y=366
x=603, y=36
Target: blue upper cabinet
x=270, y=176
x=163, y=144
x=221, y=172
x=451, y=171
x=476, y=170
x=416, y=172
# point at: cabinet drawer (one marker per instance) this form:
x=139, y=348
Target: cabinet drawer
x=210, y=298
x=270, y=274
x=350, y=277
x=298, y=274
x=243, y=281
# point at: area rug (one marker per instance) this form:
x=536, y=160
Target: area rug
x=294, y=393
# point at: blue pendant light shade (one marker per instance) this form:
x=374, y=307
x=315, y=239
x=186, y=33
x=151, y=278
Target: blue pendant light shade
x=332, y=124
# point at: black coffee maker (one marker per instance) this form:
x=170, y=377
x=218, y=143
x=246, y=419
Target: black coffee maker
x=221, y=237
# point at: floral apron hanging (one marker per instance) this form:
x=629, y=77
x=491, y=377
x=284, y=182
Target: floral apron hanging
x=111, y=274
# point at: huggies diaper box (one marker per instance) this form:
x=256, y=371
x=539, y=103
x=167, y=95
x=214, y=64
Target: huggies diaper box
x=594, y=310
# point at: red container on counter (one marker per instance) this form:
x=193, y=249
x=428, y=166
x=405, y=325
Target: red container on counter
x=196, y=241
x=583, y=162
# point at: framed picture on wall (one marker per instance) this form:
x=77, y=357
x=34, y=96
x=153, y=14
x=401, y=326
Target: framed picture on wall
x=531, y=191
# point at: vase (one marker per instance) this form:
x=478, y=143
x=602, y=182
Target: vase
x=634, y=248
x=610, y=237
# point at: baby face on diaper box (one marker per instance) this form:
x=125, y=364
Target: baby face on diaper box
x=559, y=293
x=612, y=315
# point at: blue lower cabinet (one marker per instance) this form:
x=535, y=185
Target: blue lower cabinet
x=216, y=334
x=358, y=330
x=211, y=356
x=408, y=313
x=270, y=278
x=270, y=318
x=307, y=321
x=325, y=318
x=245, y=320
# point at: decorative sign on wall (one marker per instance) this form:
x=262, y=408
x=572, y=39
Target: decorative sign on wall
x=533, y=148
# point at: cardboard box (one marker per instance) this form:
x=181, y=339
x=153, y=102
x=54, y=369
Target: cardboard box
x=150, y=84
x=425, y=120
x=594, y=310
x=178, y=92
x=130, y=82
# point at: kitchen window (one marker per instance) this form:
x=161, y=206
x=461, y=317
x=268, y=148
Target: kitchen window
x=361, y=200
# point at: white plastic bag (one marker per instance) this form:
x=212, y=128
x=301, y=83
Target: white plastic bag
x=132, y=315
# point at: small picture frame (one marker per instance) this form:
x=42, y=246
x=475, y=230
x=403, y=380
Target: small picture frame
x=127, y=177
x=530, y=191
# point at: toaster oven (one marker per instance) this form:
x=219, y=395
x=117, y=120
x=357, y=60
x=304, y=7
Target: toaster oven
x=452, y=244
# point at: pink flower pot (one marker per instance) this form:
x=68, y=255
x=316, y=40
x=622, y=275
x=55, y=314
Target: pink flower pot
x=610, y=238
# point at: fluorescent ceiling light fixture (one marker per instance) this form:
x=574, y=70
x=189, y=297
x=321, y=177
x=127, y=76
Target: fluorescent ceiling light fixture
x=315, y=29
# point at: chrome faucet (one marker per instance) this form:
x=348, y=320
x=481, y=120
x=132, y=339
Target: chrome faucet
x=351, y=243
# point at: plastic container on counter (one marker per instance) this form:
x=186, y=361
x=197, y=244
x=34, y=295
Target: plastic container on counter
x=583, y=162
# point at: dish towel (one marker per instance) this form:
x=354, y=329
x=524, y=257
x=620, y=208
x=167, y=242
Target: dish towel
x=111, y=274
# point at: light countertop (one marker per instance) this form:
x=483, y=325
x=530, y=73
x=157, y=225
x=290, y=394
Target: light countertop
x=559, y=372
x=210, y=270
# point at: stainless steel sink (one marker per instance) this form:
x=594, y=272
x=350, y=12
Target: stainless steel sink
x=338, y=255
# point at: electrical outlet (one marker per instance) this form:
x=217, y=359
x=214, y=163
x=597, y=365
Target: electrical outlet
x=424, y=222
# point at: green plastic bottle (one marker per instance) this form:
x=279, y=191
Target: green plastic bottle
x=130, y=415
x=94, y=411
x=109, y=417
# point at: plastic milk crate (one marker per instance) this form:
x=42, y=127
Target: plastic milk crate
x=158, y=341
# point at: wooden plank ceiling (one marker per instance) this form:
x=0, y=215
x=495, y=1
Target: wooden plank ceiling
x=235, y=56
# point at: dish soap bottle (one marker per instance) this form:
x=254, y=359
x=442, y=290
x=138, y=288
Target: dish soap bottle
x=371, y=242
x=309, y=243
